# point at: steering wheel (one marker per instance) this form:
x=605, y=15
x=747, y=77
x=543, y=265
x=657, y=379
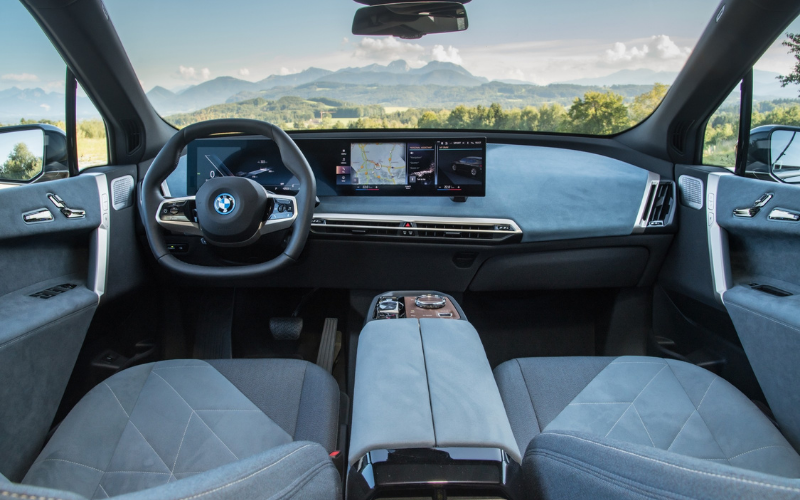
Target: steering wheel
x=231, y=211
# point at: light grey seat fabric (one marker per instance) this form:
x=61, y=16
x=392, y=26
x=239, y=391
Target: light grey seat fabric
x=155, y=424
x=601, y=419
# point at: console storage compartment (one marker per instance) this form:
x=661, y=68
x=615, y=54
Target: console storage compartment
x=427, y=413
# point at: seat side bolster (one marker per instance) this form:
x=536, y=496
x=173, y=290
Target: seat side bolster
x=565, y=465
x=300, y=469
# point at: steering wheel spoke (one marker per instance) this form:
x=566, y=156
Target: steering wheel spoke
x=179, y=215
x=282, y=214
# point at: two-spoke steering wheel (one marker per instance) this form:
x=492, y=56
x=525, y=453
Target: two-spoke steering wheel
x=230, y=211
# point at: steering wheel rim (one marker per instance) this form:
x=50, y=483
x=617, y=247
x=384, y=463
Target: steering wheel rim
x=167, y=160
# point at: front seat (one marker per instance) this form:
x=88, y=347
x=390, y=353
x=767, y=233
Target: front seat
x=641, y=427
x=189, y=428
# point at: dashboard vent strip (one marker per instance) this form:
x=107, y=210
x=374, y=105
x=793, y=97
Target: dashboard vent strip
x=663, y=205
x=489, y=230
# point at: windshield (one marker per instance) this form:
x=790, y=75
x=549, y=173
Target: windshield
x=574, y=67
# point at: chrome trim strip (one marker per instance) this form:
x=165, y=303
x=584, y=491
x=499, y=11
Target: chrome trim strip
x=416, y=219
x=165, y=189
x=99, y=246
x=653, y=179
x=717, y=240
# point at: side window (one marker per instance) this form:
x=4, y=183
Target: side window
x=775, y=117
x=92, y=141
x=33, y=97
x=32, y=102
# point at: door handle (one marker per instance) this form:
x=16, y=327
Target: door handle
x=784, y=215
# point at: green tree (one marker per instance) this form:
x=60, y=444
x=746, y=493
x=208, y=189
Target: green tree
x=793, y=42
x=552, y=118
x=599, y=113
x=21, y=164
x=644, y=104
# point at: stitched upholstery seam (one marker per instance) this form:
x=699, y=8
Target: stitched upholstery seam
x=762, y=448
x=104, y=490
x=694, y=471
x=24, y=496
x=527, y=388
x=645, y=427
x=427, y=381
x=607, y=476
x=697, y=410
x=198, y=416
x=69, y=462
x=100, y=481
x=299, y=403
x=245, y=478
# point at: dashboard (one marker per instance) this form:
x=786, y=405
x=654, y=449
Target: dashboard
x=411, y=167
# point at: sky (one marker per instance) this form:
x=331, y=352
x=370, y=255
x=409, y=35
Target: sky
x=177, y=43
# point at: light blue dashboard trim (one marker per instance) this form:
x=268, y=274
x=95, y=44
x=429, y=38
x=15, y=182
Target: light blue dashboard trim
x=551, y=193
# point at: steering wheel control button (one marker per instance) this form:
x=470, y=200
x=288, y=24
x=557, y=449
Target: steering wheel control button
x=224, y=204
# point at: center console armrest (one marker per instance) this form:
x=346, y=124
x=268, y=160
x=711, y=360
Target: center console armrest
x=426, y=383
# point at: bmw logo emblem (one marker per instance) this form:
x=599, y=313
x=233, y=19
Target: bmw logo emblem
x=224, y=204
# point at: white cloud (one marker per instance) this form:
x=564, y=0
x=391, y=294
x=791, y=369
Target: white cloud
x=449, y=54
x=45, y=106
x=388, y=50
x=189, y=73
x=286, y=71
x=659, y=47
x=20, y=77
x=244, y=72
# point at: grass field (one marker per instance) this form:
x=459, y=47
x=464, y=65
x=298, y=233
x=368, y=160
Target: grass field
x=92, y=152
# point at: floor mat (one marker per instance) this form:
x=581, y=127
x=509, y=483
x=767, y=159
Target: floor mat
x=530, y=324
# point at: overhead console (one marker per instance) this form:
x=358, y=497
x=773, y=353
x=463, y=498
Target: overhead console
x=454, y=167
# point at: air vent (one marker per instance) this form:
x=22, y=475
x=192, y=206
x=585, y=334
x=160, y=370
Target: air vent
x=691, y=191
x=663, y=205
x=679, y=135
x=416, y=228
x=122, y=192
x=133, y=135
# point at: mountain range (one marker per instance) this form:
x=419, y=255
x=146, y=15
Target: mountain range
x=435, y=85
x=38, y=104
x=222, y=89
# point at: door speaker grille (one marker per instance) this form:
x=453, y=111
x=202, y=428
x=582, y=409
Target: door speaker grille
x=691, y=191
x=122, y=192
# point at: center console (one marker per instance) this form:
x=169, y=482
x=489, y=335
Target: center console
x=428, y=418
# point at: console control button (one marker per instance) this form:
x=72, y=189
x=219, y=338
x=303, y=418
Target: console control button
x=430, y=301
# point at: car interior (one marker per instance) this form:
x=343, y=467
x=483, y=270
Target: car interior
x=340, y=306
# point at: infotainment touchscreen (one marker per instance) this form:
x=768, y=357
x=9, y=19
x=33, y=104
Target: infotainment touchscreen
x=421, y=168
x=411, y=167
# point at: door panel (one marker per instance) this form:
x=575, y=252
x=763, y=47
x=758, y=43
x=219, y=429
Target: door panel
x=52, y=275
x=763, y=298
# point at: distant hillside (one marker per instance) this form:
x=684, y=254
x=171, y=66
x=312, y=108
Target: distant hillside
x=37, y=104
x=222, y=89
x=437, y=96
x=286, y=109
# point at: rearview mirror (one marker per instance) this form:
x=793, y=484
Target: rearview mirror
x=410, y=19
x=21, y=153
x=784, y=155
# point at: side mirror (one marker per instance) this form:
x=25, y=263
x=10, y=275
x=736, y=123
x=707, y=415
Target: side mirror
x=410, y=20
x=32, y=153
x=784, y=154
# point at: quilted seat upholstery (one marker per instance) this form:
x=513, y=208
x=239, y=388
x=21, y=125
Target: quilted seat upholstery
x=155, y=424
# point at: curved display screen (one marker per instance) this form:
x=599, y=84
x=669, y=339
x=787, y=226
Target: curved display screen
x=424, y=167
